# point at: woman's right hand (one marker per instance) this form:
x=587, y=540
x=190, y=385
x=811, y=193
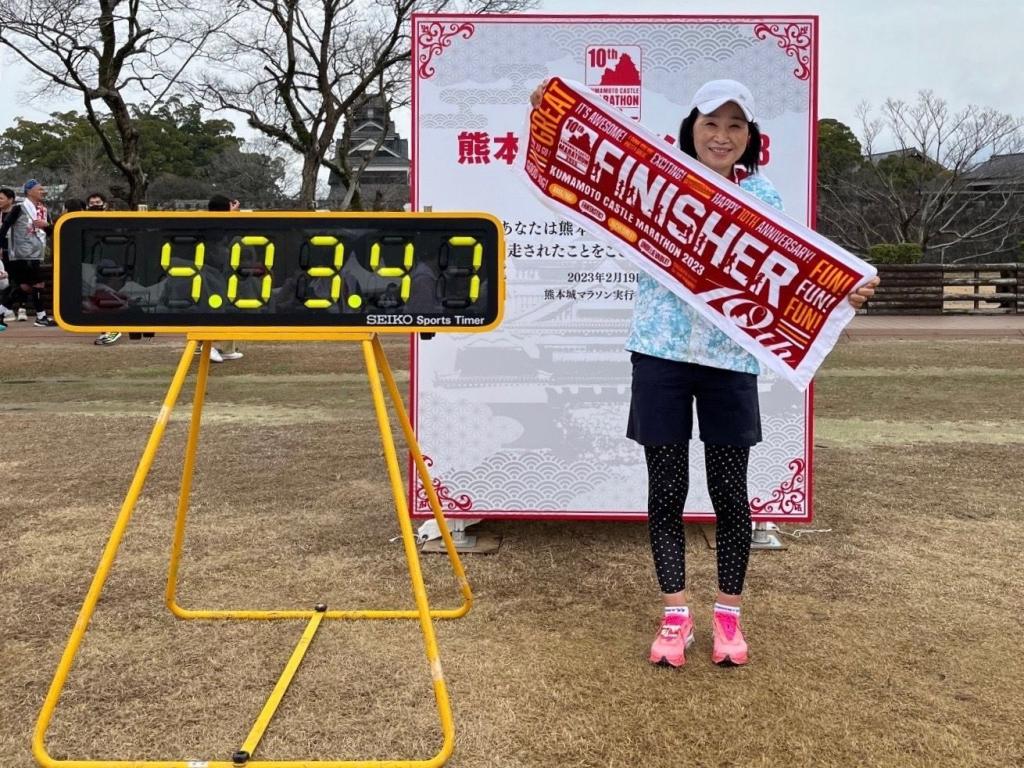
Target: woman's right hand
x=538, y=92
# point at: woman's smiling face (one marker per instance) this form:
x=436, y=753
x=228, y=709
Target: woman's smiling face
x=721, y=138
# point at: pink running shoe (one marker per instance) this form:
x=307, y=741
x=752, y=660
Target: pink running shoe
x=674, y=637
x=730, y=649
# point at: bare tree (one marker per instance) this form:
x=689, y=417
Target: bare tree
x=110, y=52
x=87, y=172
x=296, y=69
x=932, y=188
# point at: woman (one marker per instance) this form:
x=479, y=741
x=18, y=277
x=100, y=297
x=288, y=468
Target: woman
x=679, y=358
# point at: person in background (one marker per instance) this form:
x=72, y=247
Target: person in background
x=220, y=202
x=97, y=201
x=7, y=305
x=28, y=225
x=5, y=283
x=117, y=204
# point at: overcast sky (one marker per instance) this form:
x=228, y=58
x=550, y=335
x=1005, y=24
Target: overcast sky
x=968, y=53
x=869, y=50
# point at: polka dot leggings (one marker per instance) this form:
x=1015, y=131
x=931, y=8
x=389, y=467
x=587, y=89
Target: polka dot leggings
x=668, y=473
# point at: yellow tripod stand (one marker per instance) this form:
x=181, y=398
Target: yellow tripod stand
x=376, y=367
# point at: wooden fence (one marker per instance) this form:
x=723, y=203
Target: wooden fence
x=916, y=289
x=949, y=289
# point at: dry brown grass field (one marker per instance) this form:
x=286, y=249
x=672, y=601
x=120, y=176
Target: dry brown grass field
x=890, y=639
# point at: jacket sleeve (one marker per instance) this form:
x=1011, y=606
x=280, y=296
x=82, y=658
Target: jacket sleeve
x=763, y=189
x=9, y=220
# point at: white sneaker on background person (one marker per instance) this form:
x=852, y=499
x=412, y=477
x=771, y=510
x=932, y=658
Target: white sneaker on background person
x=231, y=352
x=22, y=315
x=216, y=356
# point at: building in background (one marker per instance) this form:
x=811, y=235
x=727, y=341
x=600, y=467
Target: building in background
x=384, y=185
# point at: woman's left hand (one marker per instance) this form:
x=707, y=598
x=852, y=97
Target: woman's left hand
x=865, y=292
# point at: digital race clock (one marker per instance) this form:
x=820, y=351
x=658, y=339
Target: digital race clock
x=282, y=270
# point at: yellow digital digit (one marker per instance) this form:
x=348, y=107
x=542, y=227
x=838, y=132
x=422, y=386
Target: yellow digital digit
x=466, y=242
x=333, y=272
x=198, y=259
x=453, y=271
x=266, y=282
x=408, y=259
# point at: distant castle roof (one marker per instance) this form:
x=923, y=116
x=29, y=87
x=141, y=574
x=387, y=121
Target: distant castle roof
x=1008, y=167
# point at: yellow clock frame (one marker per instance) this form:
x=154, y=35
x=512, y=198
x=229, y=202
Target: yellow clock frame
x=377, y=369
x=266, y=322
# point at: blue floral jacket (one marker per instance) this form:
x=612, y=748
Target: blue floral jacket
x=666, y=326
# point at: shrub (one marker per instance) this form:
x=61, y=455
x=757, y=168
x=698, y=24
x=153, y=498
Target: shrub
x=895, y=253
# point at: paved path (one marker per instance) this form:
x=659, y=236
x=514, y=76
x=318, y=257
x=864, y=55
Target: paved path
x=935, y=326
x=862, y=327
x=26, y=330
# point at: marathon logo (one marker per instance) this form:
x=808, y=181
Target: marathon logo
x=613, y=72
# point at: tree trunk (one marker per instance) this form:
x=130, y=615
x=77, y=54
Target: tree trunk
x=137, y=186
x=129, y=163
x=310, y=170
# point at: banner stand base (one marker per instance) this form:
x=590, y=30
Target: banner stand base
x=477, y=544
x=763, y=536
x=766, y=536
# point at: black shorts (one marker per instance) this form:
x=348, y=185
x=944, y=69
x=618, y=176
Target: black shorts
x=25, y=272
x=661, y=405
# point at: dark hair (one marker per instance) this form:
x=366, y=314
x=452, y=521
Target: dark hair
x=74, y=204
x=750, y=155
x=100, y=195
x=8, y=192
x=219, y=203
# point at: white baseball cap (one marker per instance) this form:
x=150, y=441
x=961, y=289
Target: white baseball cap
x=715, y=93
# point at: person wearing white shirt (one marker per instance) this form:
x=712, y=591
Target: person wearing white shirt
x=28, y=230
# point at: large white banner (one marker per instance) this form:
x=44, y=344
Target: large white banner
x=529, y=420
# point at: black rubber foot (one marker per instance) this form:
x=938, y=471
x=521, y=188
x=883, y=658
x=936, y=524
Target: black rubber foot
x=320, y=607
x=241, y=757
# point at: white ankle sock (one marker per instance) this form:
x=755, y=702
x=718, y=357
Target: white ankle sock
x=723, y=608
x=677, y=610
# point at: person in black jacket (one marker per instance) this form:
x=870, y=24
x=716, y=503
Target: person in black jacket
x=7, y=210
